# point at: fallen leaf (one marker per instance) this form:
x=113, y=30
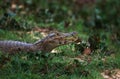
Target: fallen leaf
x=87, y=51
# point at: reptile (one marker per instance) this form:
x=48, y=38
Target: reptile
x=46, y=44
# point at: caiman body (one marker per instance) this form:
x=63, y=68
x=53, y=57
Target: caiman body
x=46, y=44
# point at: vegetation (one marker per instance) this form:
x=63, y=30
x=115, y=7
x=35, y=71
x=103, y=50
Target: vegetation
x=96, y=21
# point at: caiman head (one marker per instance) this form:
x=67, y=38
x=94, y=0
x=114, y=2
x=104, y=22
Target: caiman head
x=56, y=39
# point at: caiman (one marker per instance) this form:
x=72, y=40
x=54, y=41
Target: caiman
x=46, y=44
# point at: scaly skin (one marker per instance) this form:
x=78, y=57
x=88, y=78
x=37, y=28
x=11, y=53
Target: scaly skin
x=47, y=44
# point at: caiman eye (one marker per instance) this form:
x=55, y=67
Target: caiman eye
x=74, y=34
x=57, y=33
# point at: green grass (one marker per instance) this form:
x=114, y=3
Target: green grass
x=53, y=66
